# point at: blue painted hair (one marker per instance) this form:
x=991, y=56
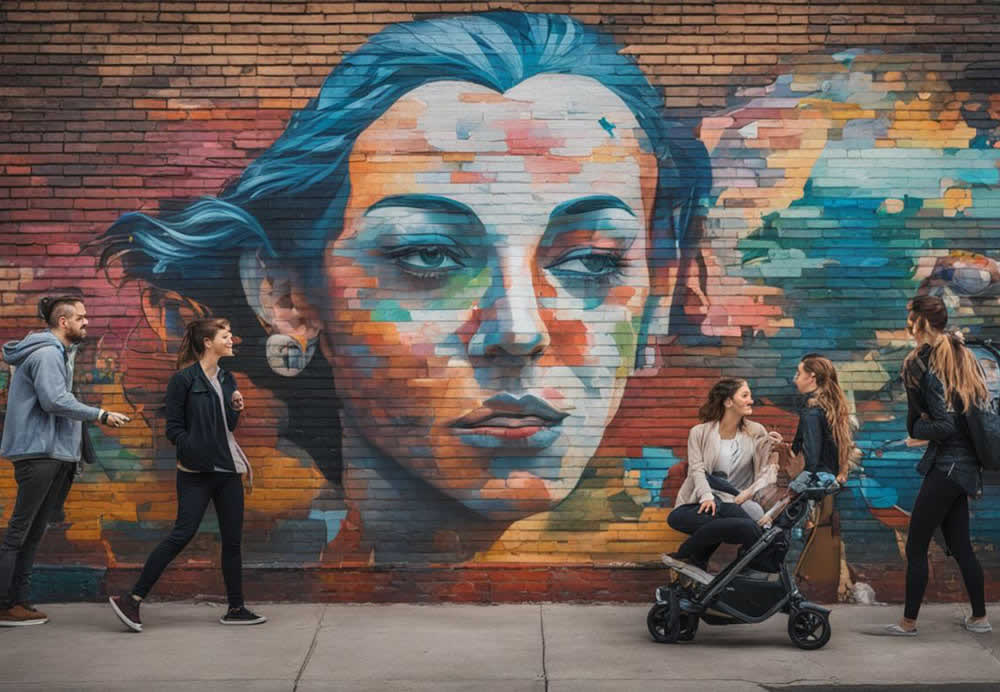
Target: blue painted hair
x=290, y=201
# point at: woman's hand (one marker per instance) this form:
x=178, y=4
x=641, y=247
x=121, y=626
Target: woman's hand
x=741, y=498
x=775, y=437
x=911, y=442
x=707, y=506
x=841, y=478
x=237, y=401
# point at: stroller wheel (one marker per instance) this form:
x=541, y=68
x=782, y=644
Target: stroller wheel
x=667, y=625
x=809, y=629
x=663, y=624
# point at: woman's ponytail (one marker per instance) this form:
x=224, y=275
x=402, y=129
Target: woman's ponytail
x=953, y=363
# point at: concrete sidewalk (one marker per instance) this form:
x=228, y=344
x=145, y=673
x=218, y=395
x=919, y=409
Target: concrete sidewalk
x=557, y=647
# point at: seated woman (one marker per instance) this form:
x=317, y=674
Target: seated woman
x=729, y=461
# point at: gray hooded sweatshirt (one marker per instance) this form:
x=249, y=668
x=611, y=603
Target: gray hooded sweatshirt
x=43, y=417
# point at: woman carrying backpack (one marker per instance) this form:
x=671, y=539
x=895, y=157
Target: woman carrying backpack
x=943, y=381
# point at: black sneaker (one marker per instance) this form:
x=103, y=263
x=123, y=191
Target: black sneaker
x=241, y=616
x=127, y=610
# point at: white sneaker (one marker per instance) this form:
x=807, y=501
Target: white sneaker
x=981, y=627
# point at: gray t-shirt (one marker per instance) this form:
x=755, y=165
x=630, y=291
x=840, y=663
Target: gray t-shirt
x=239, y=458
x=736, y=461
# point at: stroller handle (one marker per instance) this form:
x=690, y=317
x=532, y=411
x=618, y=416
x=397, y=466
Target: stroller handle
x=829, y=488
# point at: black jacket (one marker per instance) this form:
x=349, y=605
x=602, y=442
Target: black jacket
x=194, y=419
x=815, y=440
x=949, y=445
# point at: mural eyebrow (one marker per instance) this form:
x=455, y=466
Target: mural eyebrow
x=583, y=205
x=426, y=202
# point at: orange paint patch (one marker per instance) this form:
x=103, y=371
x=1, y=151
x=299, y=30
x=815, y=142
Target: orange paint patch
x=471, y=177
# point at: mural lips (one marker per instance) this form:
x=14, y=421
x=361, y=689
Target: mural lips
x=527, y=421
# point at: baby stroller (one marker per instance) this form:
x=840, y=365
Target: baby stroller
x=743, y=593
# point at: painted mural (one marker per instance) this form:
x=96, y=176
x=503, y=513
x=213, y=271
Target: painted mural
x=485, y=277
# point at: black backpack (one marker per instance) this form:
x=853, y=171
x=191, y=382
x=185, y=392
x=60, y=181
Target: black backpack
x=984, y=422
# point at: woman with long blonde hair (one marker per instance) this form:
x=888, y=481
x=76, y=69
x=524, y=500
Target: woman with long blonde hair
x=942, y=380
x=824, y=432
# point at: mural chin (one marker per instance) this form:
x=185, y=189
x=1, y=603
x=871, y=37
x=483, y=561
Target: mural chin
x=510, y=458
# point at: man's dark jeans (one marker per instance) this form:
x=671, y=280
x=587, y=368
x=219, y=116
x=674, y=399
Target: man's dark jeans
x=42, y=486
x=729, y=524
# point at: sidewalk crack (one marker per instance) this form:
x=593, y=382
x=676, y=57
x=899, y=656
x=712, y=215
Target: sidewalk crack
x=541, y=625
x=312, y=648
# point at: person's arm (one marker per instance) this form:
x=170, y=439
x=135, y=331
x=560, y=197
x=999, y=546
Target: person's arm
x=176, y=401
x=696, y=465
x=765, y=467
x=938, y=424
x=811, y=425
x=912, y=376
x=49, y=379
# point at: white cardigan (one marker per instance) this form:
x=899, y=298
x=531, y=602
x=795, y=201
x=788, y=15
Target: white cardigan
x=703, y=455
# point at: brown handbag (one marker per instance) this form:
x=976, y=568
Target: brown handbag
x=790, y=465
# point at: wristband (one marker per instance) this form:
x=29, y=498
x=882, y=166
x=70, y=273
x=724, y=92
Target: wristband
x=103, y=417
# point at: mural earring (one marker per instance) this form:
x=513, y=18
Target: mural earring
x=647, y=357
x=285, y=355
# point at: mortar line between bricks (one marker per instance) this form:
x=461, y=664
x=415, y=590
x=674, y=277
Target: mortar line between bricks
x=312, y=648
x=541, y=626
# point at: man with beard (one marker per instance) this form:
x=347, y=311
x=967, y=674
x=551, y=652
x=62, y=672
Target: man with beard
x=43, y=436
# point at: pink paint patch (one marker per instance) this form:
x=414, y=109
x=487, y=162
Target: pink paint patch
x=530, y=138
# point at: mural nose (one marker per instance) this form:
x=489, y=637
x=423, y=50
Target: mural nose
x=512, y=326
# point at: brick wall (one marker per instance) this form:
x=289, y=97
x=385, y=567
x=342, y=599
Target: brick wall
x=823, y=162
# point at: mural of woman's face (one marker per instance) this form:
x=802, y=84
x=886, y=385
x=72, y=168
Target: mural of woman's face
x=488, y=285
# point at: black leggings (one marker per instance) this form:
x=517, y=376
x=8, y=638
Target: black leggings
x=941, y=502
x=729, y=524
x=194, y=491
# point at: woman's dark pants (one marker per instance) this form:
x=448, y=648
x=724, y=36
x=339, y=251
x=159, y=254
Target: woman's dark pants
x=194, y=492
x=729, y=524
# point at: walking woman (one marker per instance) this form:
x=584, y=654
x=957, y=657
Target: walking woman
x=729, y=456
x=203, y=407
x=942, y=380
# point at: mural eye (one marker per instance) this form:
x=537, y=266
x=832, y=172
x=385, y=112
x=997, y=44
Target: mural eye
x=590, y=264
x=433, y=259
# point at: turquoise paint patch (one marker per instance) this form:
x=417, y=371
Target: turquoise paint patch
x=653, y=467
x=875, y=494
x=390, y=311
x=57, y=583
x=332, y=518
